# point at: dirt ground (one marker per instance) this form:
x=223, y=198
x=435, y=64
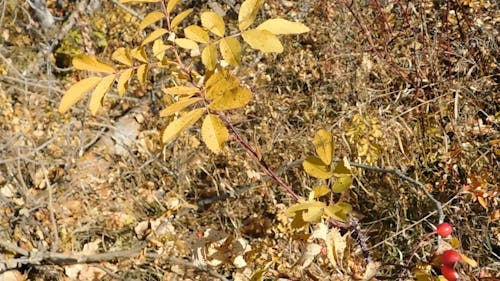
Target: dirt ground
x=401, y=85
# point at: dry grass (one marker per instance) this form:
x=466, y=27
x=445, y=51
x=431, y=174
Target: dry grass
x=428, y=83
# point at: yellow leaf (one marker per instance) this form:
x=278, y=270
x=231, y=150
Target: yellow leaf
x=313, y=214
x=214, y=133
x=171, y=5
x=154, y=35
x=186, y=43
x=196, y=33
x=76, y=92
x=342, y=183
x=159, y=49
x=343, y=168
x=304, y=205
x=316, y=168
x=262, y=40
x=139, y=54
x=150, y=18
x=140, y=1
x=123, y=81
x=99, y=92
x=282, y=26
x=123, y=56
x=213, y=22
x=142, y=73
x=178, y=106
x=235, y=98
x=338, y=211
x=91, y=63
x=320, y=190
x=181, y=91
x=335, y=246
x=178, y=19
x=468, y=260
x=323, y=142
x=209, y=57
x=217, y=89
x=177, y=126
x=259, y=274
x=248, y=12
x=230, y=49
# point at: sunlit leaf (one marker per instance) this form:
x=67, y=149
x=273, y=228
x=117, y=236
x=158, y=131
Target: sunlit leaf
x=313, y=214
x=323, y=142
x=122, y=55
x=186, y=43
x=209, y=57
x=91, y=63
x=298, y=221
x=342, y=184
x=338, y=211
x=320, y=190
x=248, y=12
x=139, y=1
x=159, y=49
x=139, y=54
x=142, y=73
x=282, y=26
x=98, y=94
x=123, y=81
x=76, y=92
x=181, y=91
x=303, y=205
x=259, y=274
x=171, y=5
x=150, y=18
x=335, y=246
x=230, y=49
x=316, y=168
x=179, y=18
x=177, y=126
x=214, y=133
x=262, y=40
x=157, y=33
x=178, y=106
x=223, y=85
x=342, y=168
x=468, y=260
x=196, y=33
x=213, y=22
x=232, y=99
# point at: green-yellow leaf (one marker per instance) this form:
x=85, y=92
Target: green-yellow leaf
x=320, y=190
x=209, y=57
x=248, y=12
x=196, y=33
x=122, y=55
x=181, y=91
x=178, y=106
x=282, y=26
x=343, y=168
x=214, y=133
x=177, y=126
x=99, y=92
x=342, y=183
x=316, y=168
x=262, y=40
x=140, y=1
x=91, y=63
x=154, y=35
x=323, y=142
x=150, y=18
x=217, y=89
x=303, y=205
x=123, y=81
x=213, y=22
x=178, y=19
x=259, y=274
x=232, y=99
x=142, y=73
x=338, y=211
x=76, y=92
x=159, y=49
x=230, y=49
x=186, y=43
x=139, y=54
x=171, y=5
x=313, y=214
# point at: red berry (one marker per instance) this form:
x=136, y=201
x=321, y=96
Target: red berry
x=449, y=273
x=199, y=234
x=444, y=229
x=450, y=257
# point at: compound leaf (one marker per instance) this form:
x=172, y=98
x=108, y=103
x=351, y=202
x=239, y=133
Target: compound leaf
x=179, y=18
x=99, y=92
x=315, y=167
x=232, y=99
x=213, y=22
x=214, y=133
x=262, y=40
x=76, y=92
x=230, y=49
x=91, y=63
x=177, y=126
x=150, y=18
x=123, y=81
x=248, y=12
x=282, y=26
x=196, y=33
x=178, y=106
x=122, y=55
x=323, y=142
x=209, y=57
